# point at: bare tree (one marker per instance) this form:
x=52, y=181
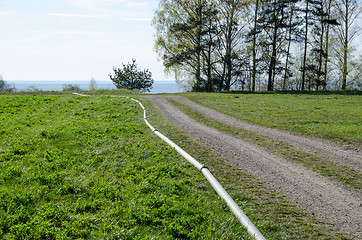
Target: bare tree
x=347, y=31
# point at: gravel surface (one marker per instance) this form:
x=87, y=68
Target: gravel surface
x=333, y=202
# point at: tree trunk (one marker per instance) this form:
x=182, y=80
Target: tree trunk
x=254, y=46
x=321, y=49
x=288, y=51
x=305, y=44
x=198, y=49
x=273, y=58
x=209, y=63
x=229, y=48
x=327, y=45
x=345, y=48
x=272, y=65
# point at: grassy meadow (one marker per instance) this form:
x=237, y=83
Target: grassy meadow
x=75, y=167
x=89, y=168
x=331, y=116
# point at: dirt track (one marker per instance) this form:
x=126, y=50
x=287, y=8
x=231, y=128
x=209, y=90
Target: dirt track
x=327, y=200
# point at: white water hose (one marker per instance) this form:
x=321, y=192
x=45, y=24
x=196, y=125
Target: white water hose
x=244, y=220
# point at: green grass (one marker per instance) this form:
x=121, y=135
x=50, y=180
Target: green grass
x=328, y=116
x=342, y=174
x=89, y=168
x=75, y=167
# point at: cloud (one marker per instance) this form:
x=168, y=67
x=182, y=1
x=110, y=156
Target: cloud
x=72, y=15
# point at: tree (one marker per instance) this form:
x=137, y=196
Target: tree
x=92, y=84
x=274, y=22
x=304, y=65
x=293, y=35
x=328, y=4
x=209, y=42
x=213, y=44
x=200, y=39
x=33, y=88
x=254, y=34
x=71, y=88
x=2, y=83
x=348, y=12
x=178, y=37
x=185, y=38
x=321, y=12
x=230, y=35
x=131, y=77
x=5, y=87
x=316, y=34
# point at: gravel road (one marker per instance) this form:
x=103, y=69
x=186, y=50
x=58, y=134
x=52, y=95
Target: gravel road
x=349, y=157
x=330, y=201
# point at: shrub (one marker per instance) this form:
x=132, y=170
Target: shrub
x=131, y=77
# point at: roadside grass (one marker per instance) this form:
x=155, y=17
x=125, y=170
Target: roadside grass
x=89, y=168
x=331, y=116
x=321, y=165
x=273, y=215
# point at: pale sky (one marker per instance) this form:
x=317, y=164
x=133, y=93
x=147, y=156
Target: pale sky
x=75, y=39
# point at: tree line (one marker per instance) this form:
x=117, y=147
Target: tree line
x=256, y=45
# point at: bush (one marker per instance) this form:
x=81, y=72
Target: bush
x=131, y=77
x=70, y=88
x=5, y=87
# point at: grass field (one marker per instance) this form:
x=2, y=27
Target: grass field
x=328, y=116
x=89, y=168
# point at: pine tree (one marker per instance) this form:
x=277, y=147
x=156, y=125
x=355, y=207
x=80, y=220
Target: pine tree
x=274, y=22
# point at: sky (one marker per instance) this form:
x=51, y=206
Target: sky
x=75, y=39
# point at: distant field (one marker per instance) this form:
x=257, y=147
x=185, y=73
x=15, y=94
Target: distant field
x=89, y=168
x=334, y=117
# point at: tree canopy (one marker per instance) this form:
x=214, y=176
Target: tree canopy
x=132, y=77
x=218, y=45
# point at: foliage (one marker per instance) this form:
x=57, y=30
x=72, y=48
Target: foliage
x=183, y=42
x=131, y=77
x=71, y=88
x=216, y=45
x=5, y=87
x=348, y=12
x=2, y=83
x=33, y=88
x=93, y=84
